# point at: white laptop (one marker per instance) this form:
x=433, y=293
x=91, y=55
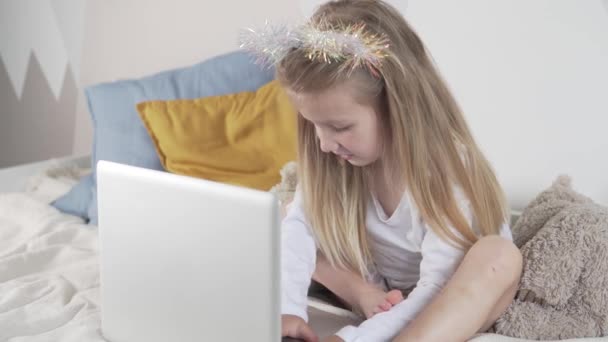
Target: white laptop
x=184, y=259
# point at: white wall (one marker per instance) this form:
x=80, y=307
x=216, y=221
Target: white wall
x=308, y=6
x=532, y=78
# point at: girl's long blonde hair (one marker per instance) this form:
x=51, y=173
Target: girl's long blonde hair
x=427, y=142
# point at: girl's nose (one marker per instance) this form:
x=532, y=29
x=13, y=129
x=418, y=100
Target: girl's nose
x=326, y=143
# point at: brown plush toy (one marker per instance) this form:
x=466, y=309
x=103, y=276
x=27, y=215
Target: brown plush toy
x=286, y=189
x=563, y=237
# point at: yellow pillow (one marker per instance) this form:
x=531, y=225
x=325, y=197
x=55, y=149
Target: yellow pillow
x=242, y=139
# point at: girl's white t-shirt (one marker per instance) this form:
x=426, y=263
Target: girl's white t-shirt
x=406, y=254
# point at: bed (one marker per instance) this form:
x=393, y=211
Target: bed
x=49, y=279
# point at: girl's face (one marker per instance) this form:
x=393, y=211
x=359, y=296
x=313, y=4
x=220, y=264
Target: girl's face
x=344, y=127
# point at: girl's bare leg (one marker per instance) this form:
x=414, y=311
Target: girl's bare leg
x=480, y=290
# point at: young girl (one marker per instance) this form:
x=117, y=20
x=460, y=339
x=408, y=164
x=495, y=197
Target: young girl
x=397, y=210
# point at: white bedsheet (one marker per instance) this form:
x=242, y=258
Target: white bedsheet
x=49, y=275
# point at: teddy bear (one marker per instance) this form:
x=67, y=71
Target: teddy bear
x=563, y=291
x=285, y=190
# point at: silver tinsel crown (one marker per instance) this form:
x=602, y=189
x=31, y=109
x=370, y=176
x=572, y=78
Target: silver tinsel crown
x=351, y=45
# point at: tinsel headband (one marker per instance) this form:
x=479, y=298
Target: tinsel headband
x=351, y=45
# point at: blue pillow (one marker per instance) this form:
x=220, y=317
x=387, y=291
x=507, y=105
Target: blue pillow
x=76, y=201
x=119, y=134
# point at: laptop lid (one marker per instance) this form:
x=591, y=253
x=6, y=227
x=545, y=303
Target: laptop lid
x=185, y=259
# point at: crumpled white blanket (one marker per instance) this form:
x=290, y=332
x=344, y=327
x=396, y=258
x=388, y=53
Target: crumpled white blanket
x=49, y=274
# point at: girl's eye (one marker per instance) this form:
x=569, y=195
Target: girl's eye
x=341, y=129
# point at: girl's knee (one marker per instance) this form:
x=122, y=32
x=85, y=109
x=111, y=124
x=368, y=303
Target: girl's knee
x=502, y=260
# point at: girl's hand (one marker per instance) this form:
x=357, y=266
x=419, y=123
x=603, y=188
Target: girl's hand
x=333, y=339
x=296, y=327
